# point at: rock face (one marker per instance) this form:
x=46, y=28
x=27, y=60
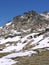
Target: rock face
x=24, y=37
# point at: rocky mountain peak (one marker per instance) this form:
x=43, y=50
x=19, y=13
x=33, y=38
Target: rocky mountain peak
x=29, y=20
x=25, y=39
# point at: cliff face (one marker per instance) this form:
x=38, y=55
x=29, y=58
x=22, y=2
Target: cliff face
x=24, y=37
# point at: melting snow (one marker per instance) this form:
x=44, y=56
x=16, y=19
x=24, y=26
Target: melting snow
x=8, y=23
x=42, y=44
x=10, y=39
x=4, y=61
x=37, y=39
x=26, y=53
x=15, y=32
x=26, y=30
x=46, y=16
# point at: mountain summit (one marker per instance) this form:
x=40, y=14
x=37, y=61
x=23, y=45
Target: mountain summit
x=25, y=40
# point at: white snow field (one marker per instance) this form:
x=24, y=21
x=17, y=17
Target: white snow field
x=7, y=60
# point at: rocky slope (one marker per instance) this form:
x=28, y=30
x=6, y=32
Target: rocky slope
x=25, y=40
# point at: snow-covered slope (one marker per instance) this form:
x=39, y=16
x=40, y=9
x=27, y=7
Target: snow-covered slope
x=24, y=36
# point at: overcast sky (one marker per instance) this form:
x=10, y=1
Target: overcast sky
x=12, y=8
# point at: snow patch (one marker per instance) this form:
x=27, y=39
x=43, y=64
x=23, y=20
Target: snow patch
x=20, y=54
x=4, y=61
x=2, y=41
x=42, y=44
x=8, y=24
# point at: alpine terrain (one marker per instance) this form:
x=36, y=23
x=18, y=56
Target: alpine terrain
x=25, y=40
